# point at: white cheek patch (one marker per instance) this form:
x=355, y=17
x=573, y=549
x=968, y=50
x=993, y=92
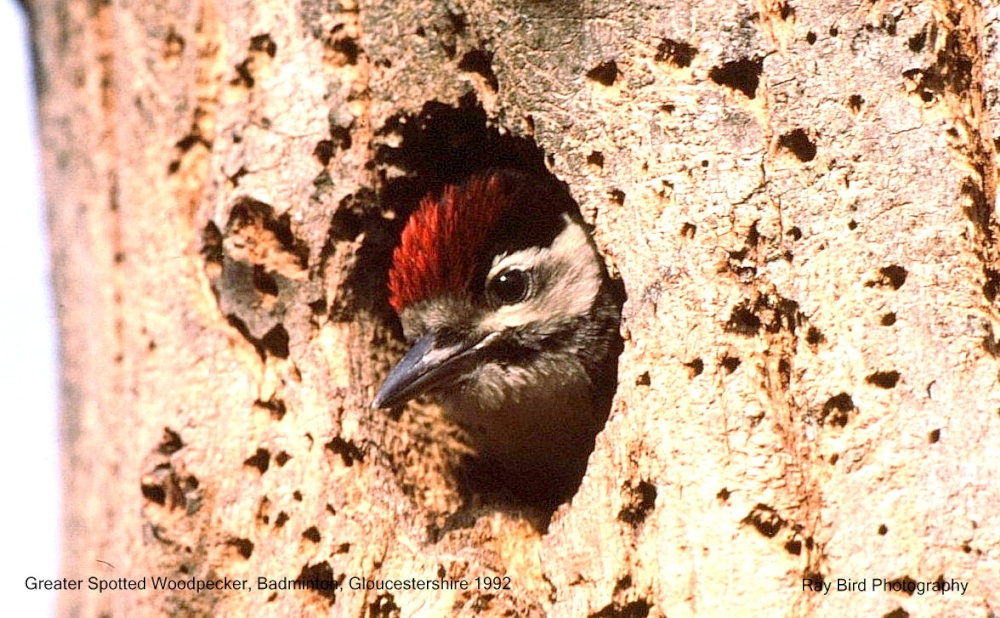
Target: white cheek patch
x=571, y=279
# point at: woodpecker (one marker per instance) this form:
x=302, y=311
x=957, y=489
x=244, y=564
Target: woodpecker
x=512, y=322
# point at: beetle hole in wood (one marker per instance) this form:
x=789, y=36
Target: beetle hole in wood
x=730, y=363
x=260, y=460
x=742, y=75
x=605, y=73
x=884, y=379
x=799, y=144
x=676, y=53
x=695, y=367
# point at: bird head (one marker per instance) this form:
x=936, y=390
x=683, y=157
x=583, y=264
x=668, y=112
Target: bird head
x=496, y=271
x=512, y=322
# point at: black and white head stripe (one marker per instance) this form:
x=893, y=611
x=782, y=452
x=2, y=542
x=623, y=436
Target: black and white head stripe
x=565, y=279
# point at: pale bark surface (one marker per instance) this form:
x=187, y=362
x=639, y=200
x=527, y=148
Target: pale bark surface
x=798, y=196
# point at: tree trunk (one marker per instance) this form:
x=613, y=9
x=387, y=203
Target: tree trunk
x=799, y=199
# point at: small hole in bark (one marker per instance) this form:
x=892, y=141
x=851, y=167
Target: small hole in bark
x=934, y=436
x=243, y=546
x=811, y=37
x=173, y=46
x=276, y=408
x=595, y=158
x=243, y=77
x=906, y=583
x=238, y=176
x=884, y=379
x=643, y=379
x=837, y=409
x=324, y=152
x=730, y=363
x=882, y=530
x=893, y=276
x=345, y=48
x=170, y=443
x=742, y=75
x=260, y=460
x=917, y=41
x=888, y=319
x=766, y=520
x=312, y=534
x=798, y=143
x=605, y=73
x=384, y=606
x=814, y=336
x=348, y=451
x=785, y=372
x=321, y=575
x=743, y=321
x=888, y=23
x=854, y=102
x=263, y=43
x=695, y=367
x=641, y=499
x=677, y=53
x=340, y=137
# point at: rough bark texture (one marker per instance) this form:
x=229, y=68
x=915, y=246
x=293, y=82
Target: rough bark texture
x=798, y=196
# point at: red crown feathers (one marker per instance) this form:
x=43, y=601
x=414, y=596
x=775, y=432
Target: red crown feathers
x=442, y=240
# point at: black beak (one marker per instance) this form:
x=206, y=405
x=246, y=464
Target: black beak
x=427, y=365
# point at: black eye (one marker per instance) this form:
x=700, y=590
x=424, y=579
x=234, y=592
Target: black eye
x=509, y=287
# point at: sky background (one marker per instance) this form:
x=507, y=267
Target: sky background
x=29, y=458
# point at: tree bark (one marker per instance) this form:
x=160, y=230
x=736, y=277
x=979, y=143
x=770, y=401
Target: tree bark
x=799, y=197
